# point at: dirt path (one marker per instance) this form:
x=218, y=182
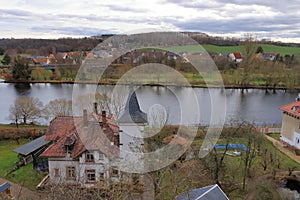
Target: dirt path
x=280, y=145
x=20, y=192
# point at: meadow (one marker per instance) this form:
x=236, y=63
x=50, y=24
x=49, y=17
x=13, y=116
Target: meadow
x=282, y=50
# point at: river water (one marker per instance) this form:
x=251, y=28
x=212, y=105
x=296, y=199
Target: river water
x=254, y=105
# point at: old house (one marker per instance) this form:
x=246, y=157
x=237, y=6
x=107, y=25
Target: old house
x=85, y=148
x=290, y=131
x=82, y=149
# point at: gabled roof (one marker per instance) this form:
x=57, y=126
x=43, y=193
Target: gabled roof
x=213, y=192
x=32, y=146
x=292, y=108
x=58, y=149
x=132, y=112
x=237, y=55
x=40, y=60
x=4, y=187
x=66, y=130
x=59, y=126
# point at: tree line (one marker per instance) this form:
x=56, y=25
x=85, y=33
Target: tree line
x=29, y=110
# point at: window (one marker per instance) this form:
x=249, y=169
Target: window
x=70, y=173
x=90, y=175
x=56, y=172
x=114, y=172
x=89, y=157
x=101, y=156
x=101, y=175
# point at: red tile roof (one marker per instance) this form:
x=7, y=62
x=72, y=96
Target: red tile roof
x=90, y=137
x=292, y=108
x=40, y=60
x=237, y=55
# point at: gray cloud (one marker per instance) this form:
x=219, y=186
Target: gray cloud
x=15, y=12
x=122, y=8
x=74, y=31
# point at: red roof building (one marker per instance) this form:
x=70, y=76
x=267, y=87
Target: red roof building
x=290, y=130
x=82, y=148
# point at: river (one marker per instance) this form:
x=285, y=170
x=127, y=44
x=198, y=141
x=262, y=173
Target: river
x=254, y=105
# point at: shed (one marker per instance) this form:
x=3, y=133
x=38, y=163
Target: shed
x=5, y=191
x=31, y=150
x=212, y=192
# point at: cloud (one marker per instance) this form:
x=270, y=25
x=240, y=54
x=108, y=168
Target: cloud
x=125, y=8
x=73, y=31
x=275, y=18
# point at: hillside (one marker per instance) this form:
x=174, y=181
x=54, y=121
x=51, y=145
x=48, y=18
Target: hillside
x=212, y=44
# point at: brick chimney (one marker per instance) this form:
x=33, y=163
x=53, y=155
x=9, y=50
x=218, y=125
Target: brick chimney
x=103, y=118
x=85, y=117
x=96, y=108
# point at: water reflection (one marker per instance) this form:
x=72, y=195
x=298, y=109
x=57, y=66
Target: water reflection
x=23, y=88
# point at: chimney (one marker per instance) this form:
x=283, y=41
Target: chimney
x=96, y=108
x=85, y=117
x=103, y=118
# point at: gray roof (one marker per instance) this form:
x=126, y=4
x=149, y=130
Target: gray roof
x=132, y=112
x=4, y=186
x=212, y=192
x=31, y=146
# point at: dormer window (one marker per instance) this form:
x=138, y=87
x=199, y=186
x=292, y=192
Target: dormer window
x=89, y=157
x=69, y=143
x=294, y=108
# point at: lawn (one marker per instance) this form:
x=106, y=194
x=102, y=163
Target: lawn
x=25, y=175
x=275, y=135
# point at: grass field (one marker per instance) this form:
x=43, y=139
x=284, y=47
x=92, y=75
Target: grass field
x=227, y=49
x=25, y=175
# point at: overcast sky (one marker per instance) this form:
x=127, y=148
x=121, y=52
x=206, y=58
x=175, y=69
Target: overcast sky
x=275, y=20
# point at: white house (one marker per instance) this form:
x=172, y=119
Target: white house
x=290, y=131
x=236, y=57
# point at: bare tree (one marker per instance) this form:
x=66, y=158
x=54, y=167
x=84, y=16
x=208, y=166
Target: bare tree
x=26, y=108
x=58, y=107
x=14, y=115
x=249, y=49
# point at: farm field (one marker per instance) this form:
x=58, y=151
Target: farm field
x=226, y=49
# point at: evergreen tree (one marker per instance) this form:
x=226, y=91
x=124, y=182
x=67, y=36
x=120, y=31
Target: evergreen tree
x=20, y=69
x=259, y=50
x=6, y=59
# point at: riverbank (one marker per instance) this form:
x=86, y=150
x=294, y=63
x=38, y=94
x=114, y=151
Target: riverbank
x=10, y=131
x=197, y=85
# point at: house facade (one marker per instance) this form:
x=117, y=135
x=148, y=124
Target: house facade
x=86, y=150
x=290, y=131
x=82, y=149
